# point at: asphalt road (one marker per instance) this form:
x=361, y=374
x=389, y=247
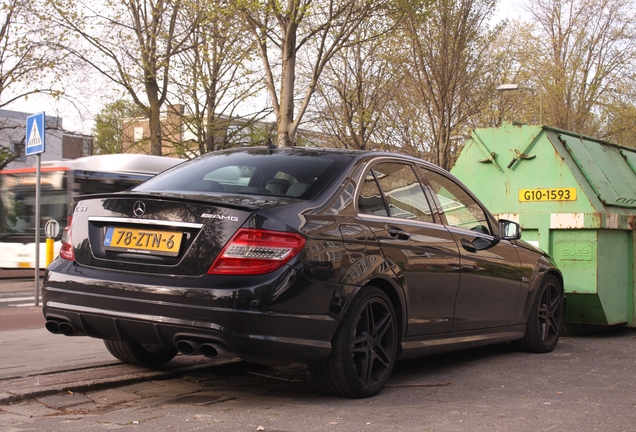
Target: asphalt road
x=587, y=384
x=17, y=305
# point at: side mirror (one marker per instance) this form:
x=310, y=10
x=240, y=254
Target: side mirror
x=509, y=230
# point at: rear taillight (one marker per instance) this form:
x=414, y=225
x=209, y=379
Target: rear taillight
x=254, y=251
x=66, y=251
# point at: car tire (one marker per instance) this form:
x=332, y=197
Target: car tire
x=545, y=320
x=150, y=356
x=364, y=348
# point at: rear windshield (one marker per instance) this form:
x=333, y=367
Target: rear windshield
x=297, y=174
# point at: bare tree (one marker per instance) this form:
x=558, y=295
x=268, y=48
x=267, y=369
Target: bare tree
x=449, y=67
x=585, y=48
x=510, y=56
x=282, y=28
x=617, y=115
x=356, y=88
x=130, y=42
x=214, y=77
x=27, y=67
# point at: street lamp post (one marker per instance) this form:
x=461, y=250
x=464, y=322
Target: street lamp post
x=510, y=87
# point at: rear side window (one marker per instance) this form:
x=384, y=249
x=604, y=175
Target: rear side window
x=370, y=200
x=296, y=174
x=403, y=194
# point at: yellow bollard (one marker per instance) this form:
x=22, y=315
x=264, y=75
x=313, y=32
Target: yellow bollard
x=49, y=250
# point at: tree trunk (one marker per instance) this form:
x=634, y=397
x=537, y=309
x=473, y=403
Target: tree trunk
x=154, y=124
x=287, y=134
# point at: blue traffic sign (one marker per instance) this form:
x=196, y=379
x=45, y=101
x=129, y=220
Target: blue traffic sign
x=35, y=134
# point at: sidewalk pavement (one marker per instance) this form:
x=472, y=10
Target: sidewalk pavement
x=34, y=362
x=18, y=285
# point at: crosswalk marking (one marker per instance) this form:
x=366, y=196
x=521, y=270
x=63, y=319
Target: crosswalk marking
x=14, y=299
x=34, y=137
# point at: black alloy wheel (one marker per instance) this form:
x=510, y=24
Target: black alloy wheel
x=150, y=356
x=364, y=348
x=545, y=320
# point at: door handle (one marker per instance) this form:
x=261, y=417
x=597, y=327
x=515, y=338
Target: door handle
x=398, y=233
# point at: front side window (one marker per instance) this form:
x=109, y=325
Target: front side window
x=460, y=208
x=403, y=194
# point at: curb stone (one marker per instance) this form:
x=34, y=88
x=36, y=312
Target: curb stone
x=22, y=394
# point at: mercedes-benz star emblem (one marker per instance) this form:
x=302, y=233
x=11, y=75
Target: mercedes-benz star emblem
x=139, y=208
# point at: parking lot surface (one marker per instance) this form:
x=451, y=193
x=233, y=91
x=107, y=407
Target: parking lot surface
x=587, y=384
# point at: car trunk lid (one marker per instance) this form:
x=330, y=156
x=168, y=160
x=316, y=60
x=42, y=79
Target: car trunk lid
x=176, y=234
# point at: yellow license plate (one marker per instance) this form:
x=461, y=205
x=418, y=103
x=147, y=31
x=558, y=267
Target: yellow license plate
x=24, y=264
x=143, y=241
x=547, y=194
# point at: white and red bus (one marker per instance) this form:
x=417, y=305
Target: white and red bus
x=60, y=181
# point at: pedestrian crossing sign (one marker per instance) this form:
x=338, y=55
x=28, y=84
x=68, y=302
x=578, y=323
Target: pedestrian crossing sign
x=35, y=134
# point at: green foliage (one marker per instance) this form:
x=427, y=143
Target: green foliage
x=448, y=74
x=411, y=75
x=27, y=65
x=619, y=123
x=6, y=156
x=108, y=128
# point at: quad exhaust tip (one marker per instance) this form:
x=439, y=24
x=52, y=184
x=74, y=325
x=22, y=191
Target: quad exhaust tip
x=53, y=327
x=57, y=327
x=186, y=347
x=66, y=329
x=208, y=349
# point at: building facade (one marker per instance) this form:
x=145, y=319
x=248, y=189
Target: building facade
x=60, y=144
x=136, y=132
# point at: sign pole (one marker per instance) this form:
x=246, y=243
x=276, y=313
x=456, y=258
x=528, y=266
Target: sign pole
x=36, y=145
x=37, y=230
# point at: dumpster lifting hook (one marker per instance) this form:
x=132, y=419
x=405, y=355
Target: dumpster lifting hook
x=518, y=156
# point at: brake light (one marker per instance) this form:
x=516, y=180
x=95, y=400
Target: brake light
x=66, y=251
x=254, y=251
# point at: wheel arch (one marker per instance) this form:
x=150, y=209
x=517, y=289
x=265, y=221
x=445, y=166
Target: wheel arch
x=397, y=300
x=550, y=271
x=559, y=276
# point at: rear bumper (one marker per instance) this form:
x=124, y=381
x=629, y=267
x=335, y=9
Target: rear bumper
x=156, y=314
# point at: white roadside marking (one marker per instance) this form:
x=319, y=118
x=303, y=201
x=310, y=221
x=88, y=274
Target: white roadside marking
x=9, y=299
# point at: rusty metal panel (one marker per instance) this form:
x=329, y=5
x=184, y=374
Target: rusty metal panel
x=576, y=254
x=630, y=158
x=574, y=197
x=606, y=170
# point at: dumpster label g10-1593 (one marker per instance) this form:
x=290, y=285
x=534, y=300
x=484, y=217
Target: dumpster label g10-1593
x=547, y=194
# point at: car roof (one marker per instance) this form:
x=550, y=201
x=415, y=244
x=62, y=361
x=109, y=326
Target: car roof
x=316, y=151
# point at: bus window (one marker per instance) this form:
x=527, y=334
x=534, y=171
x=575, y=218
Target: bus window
x=60, y=181
x=17, y=205
x=91, y=182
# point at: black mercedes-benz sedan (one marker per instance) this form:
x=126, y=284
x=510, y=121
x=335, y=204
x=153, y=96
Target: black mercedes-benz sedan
x=346, y=261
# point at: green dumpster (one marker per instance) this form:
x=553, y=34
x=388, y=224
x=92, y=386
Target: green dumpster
x=575, y=198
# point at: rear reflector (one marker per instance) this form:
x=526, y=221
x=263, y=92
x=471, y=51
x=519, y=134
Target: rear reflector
x=66, y=251
x=254, y=251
